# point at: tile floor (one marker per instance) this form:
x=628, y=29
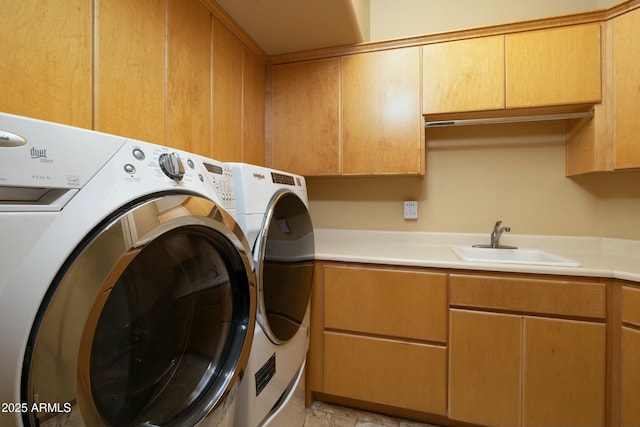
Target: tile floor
x=322, y=414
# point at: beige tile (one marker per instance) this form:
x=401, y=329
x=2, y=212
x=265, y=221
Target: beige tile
x=317, y=418
x=323, y=414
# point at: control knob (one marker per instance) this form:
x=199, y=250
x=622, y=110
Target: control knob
x=172, y=166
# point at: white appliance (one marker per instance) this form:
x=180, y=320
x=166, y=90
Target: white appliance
x=127, y=292
x=271, y=208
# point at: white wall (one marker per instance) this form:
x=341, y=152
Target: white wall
x=476, y=175
x=390, y=19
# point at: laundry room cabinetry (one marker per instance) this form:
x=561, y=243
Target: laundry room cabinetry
x=630, y=360
x=609, y=141
x=541, y=68
x=140, y=69
x=463, y=75
x=527, y=352
x=626, y=83
x=382, y=132
x=130, y=69
x=356, y=114
x=188, y=89
x=383, y=336
x=549, y=67
x=306, y=117
x=39, y=76
x=238, y=118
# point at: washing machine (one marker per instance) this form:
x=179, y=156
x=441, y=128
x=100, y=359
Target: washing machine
x=272, y=209
x=127, y=291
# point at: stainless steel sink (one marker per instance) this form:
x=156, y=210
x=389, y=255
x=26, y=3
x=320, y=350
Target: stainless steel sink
x=511, y=256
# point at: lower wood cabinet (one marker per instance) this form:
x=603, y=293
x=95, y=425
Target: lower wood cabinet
x=398, y=373
x=524, y=370
x=485, y=355
x=630, y=357
x=630, y=409
x=383, y=336
x=487, y=349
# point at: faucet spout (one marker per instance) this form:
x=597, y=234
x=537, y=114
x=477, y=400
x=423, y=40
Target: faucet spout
x=497, y=233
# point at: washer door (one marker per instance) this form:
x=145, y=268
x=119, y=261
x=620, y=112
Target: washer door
x=150, y=322
x=286, y=252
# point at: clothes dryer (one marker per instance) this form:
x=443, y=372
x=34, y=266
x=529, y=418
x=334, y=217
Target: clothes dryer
x=127, y=292
x=272, y=209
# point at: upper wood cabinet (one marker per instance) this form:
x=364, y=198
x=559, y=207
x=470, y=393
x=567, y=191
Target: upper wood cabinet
x=46, y=60
x=227, y=94
x=609, y=140
x=189, y=87
x=254, y=81
x=130, y=69
x=306, y=117
x=350, y=115
x=626, y=84
x=551, y=67
x=238, y=105
x=542, y=68
x=463, y=75
x=382, y=129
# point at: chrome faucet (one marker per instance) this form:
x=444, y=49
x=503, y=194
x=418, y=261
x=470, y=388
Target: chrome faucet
x=497, y=233
x=495, y=238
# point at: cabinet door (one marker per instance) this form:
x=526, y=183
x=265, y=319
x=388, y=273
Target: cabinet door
x=254, y=82
x=630, y=388
x=464, y=75
x=189, y=77
x=626, y=69
x=382, y=124
x=46, y=60
x=553, y=67
x=485, y=354
x=397, y=373
x=630, y=410
x=227, y=94
x=130, y=69
x=564, y=373
x=306, y=117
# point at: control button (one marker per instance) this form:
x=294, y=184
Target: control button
x=172, y=166
x=190, y=163
x=129, y=168
x=201, y=177
x=138, y=154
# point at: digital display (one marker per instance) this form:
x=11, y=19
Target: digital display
x=279, y=178
x=213, y=168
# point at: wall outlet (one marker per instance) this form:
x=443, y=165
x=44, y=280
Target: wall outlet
x=410, y=209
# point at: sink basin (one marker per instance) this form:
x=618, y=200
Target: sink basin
x=512, y=256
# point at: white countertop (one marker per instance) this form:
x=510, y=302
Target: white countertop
x=599, y=257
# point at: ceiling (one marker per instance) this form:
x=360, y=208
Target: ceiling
x=284, y=26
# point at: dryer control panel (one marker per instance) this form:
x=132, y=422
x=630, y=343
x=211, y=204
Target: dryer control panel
x=221, y=177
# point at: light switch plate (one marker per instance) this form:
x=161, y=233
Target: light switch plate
x=410, y=209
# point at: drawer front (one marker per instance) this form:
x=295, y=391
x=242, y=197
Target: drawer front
x=555, y=297
x=395, y=303
x=631, y=305
x=396, y=373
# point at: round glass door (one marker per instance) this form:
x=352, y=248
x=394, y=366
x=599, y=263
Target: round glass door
x=165, y=322
x=284, y=267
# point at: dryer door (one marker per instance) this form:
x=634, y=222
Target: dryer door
x=285, y=248
x=150, y=322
